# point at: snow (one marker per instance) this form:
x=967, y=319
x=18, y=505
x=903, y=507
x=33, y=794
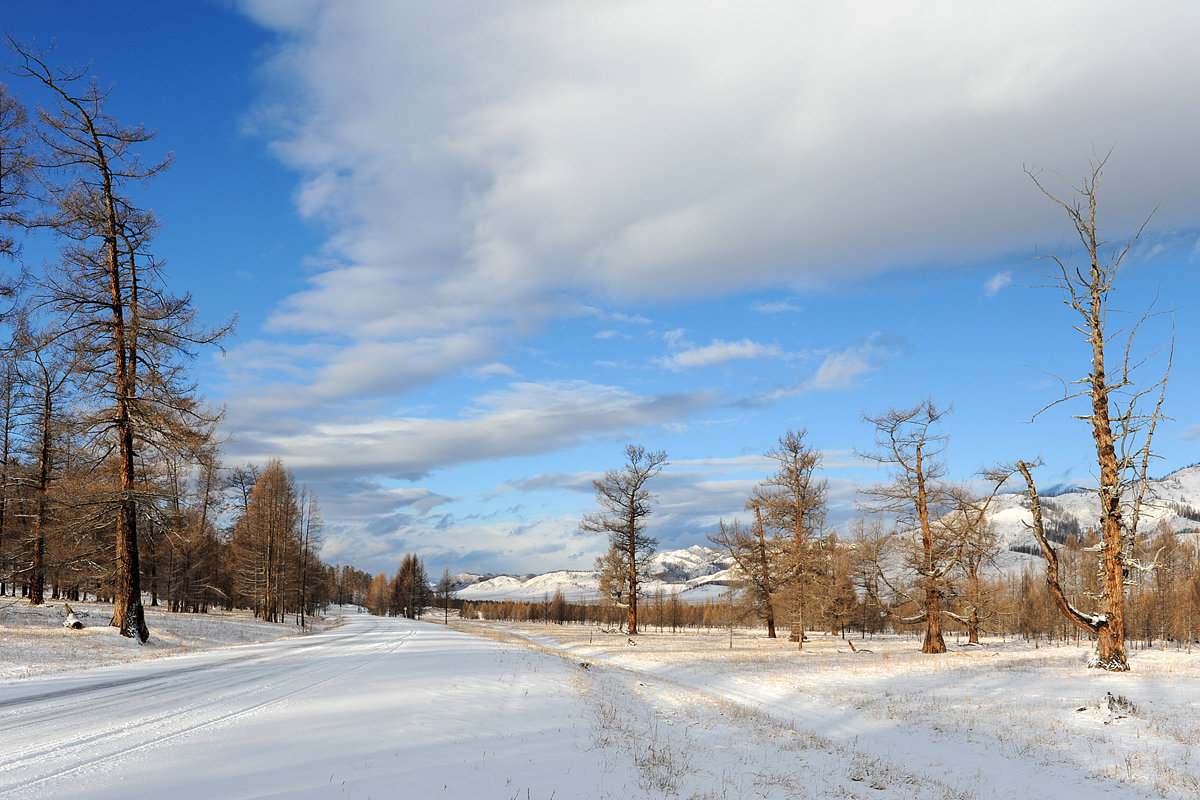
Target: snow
x=1012, y=518
x=381, y=707
x=696, y=574
x=33, y=641
x=701, y=573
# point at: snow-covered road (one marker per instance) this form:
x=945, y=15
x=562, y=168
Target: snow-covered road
x=377, y=707
x=388, y=708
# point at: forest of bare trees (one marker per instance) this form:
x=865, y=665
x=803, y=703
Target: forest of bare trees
x=1162, y=611
x=111, y=484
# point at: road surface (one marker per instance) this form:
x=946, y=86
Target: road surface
x=378, y=707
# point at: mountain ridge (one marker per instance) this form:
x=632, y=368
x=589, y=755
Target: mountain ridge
x=701, y=572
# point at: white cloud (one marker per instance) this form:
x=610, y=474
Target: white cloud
x=493, y=152
x=676, y=337
x=523, y=419
x=778, y=307
x=486, y=167
x=842, y=369
x=327, y=374
x=718, y=352
x=617, y=316
x=1001, y=280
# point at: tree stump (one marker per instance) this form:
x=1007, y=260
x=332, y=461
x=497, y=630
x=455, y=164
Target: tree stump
x=72, y=621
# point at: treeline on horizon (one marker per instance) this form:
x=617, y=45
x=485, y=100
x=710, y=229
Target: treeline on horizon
x=408, y=592
x=1164, y=610
x=923, y=555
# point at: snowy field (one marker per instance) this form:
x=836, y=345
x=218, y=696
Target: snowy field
x=388, y=708
x=33, y=641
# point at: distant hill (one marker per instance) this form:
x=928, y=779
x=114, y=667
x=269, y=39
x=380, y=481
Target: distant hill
x=699, y=572
x=695, y=573
x=1174, y=499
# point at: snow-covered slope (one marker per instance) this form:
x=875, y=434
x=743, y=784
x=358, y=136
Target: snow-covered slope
x=695, y=573
x=701, y=572
x=1174, y=499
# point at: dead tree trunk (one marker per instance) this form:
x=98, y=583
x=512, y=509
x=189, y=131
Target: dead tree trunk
x=1122, y=434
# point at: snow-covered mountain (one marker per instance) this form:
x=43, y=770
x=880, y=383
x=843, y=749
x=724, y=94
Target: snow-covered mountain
x=1174, y=499
x=695, y=573
x=701, y=572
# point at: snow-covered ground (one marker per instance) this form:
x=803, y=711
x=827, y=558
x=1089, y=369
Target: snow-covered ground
x=33, y=641
x=387, y=708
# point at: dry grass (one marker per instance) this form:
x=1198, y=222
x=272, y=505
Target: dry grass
x=1036, y=707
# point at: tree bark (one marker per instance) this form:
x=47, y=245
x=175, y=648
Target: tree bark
x=764, y=561
x=1086, y=291
x=633, y=586
x=934, y=642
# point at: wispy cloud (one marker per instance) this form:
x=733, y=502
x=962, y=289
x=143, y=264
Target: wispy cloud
x=843, y=369
x=523, y=419
x=777, y=307
x=1001, y=280
x=495, y=370
x=718, y=352
x=774, y=183
x=611, y=161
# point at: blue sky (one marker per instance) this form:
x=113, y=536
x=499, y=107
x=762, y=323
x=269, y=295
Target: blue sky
x=475, y=248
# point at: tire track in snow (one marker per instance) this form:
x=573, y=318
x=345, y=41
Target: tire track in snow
x=172, y=672
x=58, y=754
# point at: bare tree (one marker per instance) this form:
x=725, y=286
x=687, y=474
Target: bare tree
x=266, y=544
x=48, y=368
x=979, y=546
x=1122, y=414
x=16, y=168
x=920, y=501
x=409, y=588
x=755, y=560
x=444, y=594
x=866, y=570
x=9, y=402
x=193, y=569
x=377, y=595
x=110, y=295
x=16, y=172
x=310, y=538
x=625, y=503
x=239, y=481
